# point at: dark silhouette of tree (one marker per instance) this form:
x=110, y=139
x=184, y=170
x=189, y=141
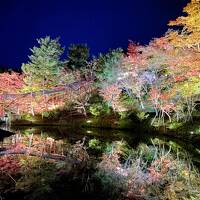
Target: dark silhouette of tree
x=78, y=55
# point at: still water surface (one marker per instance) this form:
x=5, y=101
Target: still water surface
x=68, y=135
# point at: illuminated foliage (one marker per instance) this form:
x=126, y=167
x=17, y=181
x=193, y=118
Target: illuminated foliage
x=161, y=77
x=11, y=83
x=108, y=69
x=190, y=32
x=44, y=67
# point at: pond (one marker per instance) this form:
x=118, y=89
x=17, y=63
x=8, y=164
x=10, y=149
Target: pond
x=53, y=144
x=132, y=137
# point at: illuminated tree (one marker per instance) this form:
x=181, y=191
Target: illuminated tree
x=162, y=78
x=44, y=67
x=10, y=87
x=108, y=69
x=145, y=68
x=184, y=70
x=78, y=55
x=11, y=83
x=190, y=32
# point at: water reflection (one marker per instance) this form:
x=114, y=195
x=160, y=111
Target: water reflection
x=53, y=140
x=80, y=159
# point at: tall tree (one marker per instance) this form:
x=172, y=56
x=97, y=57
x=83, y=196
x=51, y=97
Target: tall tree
x=43, y=69
x=78, y=55
x=44, y=66
x=108, y=72
x=108, y=67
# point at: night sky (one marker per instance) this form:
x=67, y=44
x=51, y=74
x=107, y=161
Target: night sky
x=102, y=24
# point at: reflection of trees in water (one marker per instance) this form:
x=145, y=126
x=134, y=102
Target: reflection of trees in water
x=33, y=144
x=52, y=140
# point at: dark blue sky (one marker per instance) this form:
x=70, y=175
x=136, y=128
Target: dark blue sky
x=102, y=24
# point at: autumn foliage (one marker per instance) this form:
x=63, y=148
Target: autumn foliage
x=162, y=77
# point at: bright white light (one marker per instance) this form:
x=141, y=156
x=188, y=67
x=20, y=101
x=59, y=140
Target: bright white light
x=89, y=121
x=53, y=107
x=89, y=131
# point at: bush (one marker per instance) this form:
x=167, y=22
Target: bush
x=99, y=109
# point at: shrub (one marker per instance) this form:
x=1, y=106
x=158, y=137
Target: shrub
x=98, y=109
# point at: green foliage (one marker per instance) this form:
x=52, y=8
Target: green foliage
x=44, y=66
x=98, y=106
x=99, y=109
x=197, y=130
x=53, y=114
x=78, y=55
x=147, y=153
x=108, y=67
x=45, y=114
x=142, y=115
x=175, y=125
x=128, y=101
x=28, y=117
x=95, y=144
x=119, y=147
x=123, y=115
x=28, y=132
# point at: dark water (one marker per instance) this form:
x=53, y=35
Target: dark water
x=66, y=187
x=133, y=138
